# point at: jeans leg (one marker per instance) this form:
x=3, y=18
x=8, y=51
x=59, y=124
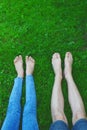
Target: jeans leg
x=29, y=115
x=12, y=119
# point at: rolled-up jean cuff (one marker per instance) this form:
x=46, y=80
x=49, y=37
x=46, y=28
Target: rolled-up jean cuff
x=19, y=78
x=29, y=76
x=59, y=125
x=80, y=125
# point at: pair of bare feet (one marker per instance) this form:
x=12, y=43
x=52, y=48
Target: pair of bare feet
x=18, y=62
x=56, y=62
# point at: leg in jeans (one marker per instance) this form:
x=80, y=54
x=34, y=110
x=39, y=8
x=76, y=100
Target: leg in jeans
x=57, y=101
x=75, y=99
x=29, y=115
x=12, y=119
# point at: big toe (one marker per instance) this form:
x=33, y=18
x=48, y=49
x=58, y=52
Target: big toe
x=16, y=59
x=56, y=55
x=20, y=57
x=68, y=57
x=30, y=58
x=27, y=58
x=56, y=59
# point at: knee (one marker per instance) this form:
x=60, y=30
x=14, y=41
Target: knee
x=14, y=109
x=59, y=116
x=29, y=110
x=78, y=116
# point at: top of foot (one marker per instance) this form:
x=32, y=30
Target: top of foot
x=56, y=63
x=18, y=62
x=30, y=63
x=68, y=64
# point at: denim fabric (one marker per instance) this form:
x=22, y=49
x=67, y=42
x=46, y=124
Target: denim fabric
x=12, y=120
x=59, y=125
x=29, y=114
x=80, y=125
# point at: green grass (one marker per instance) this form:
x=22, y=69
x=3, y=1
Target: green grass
x=40, y=28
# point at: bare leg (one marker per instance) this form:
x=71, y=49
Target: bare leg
x=57, y=101
x=75, y=99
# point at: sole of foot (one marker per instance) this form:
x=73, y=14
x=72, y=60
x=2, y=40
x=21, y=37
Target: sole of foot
x=18, y=62
x=68, y=64
x=30, y=63
x=56, y=63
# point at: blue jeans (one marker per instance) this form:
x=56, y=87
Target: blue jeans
x=81, y=124
x=12, y=120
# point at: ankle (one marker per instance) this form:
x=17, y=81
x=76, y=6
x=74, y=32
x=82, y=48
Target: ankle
x=58, y=76
x=28, y=73
x=21, y=75
x=68, y=76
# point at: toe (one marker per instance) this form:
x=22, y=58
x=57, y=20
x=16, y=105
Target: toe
x=16, y=59
x=26, y=58
x=68, y=54
x=31, y=59
x=20, y=56
x=68, y=57
x=56, y=55
x=20, y=59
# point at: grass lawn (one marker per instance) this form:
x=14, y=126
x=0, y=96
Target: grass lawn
x=40, y=28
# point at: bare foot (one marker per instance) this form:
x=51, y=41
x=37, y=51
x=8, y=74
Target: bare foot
x=56, y=62
x=68, y=65
x=18, y=62
x=30, y=62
